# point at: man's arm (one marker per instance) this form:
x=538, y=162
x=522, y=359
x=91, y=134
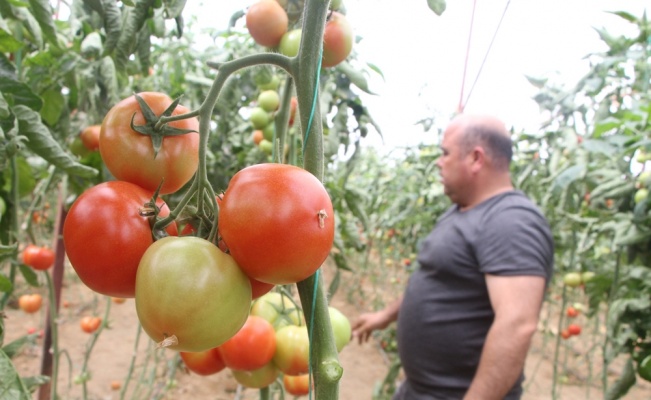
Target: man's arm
x=516, y=301
x=366, y=323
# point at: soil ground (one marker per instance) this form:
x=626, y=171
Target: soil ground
x=364, y=365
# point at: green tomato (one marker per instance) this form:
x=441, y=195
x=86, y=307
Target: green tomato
x=641, y=195
x=644, y=178
x=189, y=289
x=341, y=328
x=259, y=118
x=272, y=84
x=3, y=207
x=290, y=42
x=257, y=379
x=268, y=132
x=278, y=309
x=572, y=279
x=266, y=146
x=292, y=350
x=269, y=100
x=587, y=276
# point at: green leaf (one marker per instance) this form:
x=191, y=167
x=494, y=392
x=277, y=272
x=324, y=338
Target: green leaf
x=624, y=383
x=53, y=105
x=135, y=18
x=42, y=11
x=4, y=109
x=29, y=275
x=12, y=348
x=41, y=142
x=438, y=6
x=11, y=386
x=568, y=176
x=599, y=146
x=91, y=46
x=31, y=25
x=5, y=284
x=112, y=24
x=355, y=76
x=12, y=88
x=174, y=8
x=108, y=79
x=26, y=180
x=8, y=43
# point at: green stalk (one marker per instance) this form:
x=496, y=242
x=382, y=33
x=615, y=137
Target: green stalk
x=611, y=296
x=123, y=392
x=54, y=334
x=89, y=348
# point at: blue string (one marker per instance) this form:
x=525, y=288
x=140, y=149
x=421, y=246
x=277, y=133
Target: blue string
x=316, y=90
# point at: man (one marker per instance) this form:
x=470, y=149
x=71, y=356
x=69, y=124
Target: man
x=468, y=313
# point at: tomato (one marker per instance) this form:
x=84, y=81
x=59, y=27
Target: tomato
x=204, y=363
x=259, y=288
x=267, y=22
x=90, y=137
x=574, y=329
x=271, y=84
x=293, y=106
x=266, y=146
x=290, y=43
x=30, y=303
x=292, y=355
x=78, y=148
x=105, y=236
x=278, y=309
x=641, y=195
x=571, y=312
x=257, y=136
x=190, y=292
x=587, y=276
x=129, y=155
x=257, y=379
x=90, y=324
x=565, y=334
x=259, y=118
x=39, y=258
x=269, y=100
x=268, y=132
x=252, y=347
x=572, y=279
x=118, y=300
x=294, y=225
x=644, y=368
x=341, y=328
x=337, y=40
x=297, y=385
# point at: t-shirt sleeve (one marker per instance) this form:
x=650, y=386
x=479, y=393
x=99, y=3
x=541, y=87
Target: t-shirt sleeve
x=515, y=241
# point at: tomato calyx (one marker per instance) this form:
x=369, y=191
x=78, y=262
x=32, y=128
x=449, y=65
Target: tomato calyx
x=150, y=210
x=153, y=127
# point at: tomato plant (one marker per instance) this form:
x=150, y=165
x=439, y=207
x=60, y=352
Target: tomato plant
x=131, y=156
x=292, y=350
x=266, y=21
x=252, y=347
x=190, y=296
x=39, y=258
x=30, y=303
x=90, y=137
x=207, y=362
x=297, y=385
x=337, y=40
x=90, y=324
x=105, y=236
x=294, y=228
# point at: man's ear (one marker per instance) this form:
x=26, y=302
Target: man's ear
x=478, y=156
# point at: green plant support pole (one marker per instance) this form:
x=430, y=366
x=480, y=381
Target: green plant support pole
x=323, y=354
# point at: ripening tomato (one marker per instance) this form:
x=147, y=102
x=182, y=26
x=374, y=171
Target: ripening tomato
x=257, y=136
x=190, y=296
x=90, y=324
x=30, y=303
x=204, y=363
x=39, y=258
x=293, y=106
x=572, y=312
x=252, y=347
x=574, y=329
x=267, y=22
x=292, y=355
x=257, y=379
x=130, y=156
x=565, y=334
x=105, y=236
x=297, y=385
x=294, y=226
x=278, y=309
x=90, y=137
x=337, y=40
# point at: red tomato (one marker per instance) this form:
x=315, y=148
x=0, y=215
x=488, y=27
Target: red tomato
x=105, y=236
x=203, y=362
x=252, y=347
x=337, y=40
x=40, y=258
x=565, y=334
x=258, y=379
x=259, y=288
x=90, y=324
x=129, y=155
x=190, y=296
x=30, y=303
x=574, y=329
x=293, y=219
x=297, y=385
x=267, y=22
x=572, y=312
x=293, y=106
x=90, y=137
x=292, y=355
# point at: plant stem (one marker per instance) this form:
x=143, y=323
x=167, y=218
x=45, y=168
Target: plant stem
x=89, y=348
x=131, y=364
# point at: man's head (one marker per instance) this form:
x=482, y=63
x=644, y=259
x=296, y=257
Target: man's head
x=477, y=151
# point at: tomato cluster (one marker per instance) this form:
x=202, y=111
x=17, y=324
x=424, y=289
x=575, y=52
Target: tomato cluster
x=268, y=24
x=273, y=341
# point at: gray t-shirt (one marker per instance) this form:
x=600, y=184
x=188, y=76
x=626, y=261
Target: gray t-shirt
x=446, y=311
